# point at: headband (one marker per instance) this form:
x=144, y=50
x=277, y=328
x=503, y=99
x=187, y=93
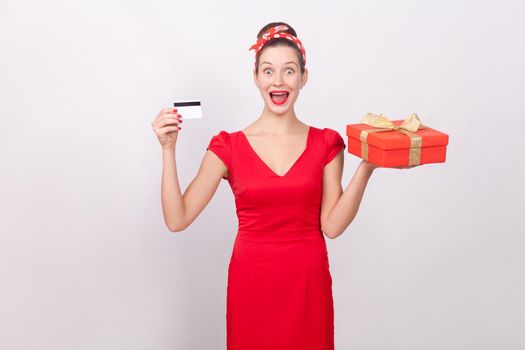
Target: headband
x=274, y=33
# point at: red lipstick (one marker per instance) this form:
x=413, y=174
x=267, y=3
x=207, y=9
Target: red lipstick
x=279, y=97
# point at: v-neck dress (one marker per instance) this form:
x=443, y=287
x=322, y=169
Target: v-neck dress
x=279, y=294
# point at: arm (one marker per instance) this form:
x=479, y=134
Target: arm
x=180, y=210
x=339, y=208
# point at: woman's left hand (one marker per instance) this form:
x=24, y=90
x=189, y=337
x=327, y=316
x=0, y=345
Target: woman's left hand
x=405, y=166
x=371, y=166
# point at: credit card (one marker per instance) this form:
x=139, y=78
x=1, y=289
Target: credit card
x=189, y=109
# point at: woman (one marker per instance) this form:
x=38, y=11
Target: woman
x=286, y=178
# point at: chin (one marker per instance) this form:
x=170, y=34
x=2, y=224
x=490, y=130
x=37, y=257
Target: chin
x=280, y=110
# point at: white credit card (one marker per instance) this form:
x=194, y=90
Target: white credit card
x=189, y=109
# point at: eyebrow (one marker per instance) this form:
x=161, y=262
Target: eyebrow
x=284, y=63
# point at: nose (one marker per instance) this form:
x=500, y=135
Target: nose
x=277, y=79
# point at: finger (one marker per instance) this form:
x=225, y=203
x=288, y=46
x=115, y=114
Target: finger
x=176, y=115
x=171, y=115
x=172, y=118
x=168, y=114
x=158, y=121
x=170, y=121
x=167, y=129
x=166, y=111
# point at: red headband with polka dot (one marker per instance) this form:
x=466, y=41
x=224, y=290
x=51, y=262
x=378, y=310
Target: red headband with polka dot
x=274, y=33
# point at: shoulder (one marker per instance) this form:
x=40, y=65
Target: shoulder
x=332, y=142
x=220, y=145
x=222, y=134
x=221, y=138
x=330, y=134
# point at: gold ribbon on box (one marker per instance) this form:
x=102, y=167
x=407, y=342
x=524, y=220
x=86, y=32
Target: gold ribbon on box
x=408, y=127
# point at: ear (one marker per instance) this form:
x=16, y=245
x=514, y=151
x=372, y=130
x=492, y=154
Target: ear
x=304, y=77
x=255, y=78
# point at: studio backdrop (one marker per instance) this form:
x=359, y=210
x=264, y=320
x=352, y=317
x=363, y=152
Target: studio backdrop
x=432, y=261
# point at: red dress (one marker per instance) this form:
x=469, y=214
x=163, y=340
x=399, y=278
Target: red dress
x=279, y=294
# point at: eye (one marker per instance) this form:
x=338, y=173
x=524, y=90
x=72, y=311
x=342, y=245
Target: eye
x=290, y=70
x=267, y=70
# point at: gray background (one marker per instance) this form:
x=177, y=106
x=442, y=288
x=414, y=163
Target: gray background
x=434, y=259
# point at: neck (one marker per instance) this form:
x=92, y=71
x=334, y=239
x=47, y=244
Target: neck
x=274, y=123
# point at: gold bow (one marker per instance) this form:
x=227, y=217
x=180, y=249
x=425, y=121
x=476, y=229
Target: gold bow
x=410, y=125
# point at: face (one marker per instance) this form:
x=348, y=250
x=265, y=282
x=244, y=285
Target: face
x=279, y=79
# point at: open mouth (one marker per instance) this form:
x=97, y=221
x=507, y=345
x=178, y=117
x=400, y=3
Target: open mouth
x=280, y=97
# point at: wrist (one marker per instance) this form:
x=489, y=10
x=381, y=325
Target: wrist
x=168, y=149
x=368, y=167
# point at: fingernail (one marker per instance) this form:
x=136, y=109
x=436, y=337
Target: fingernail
x=174, y=109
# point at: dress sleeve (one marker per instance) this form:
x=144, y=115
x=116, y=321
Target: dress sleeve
x=220, y=145
x=333, y=144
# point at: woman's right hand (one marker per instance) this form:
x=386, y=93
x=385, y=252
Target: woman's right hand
x=166, y=126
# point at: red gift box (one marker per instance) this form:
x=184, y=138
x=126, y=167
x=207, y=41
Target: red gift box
x=396, y=143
